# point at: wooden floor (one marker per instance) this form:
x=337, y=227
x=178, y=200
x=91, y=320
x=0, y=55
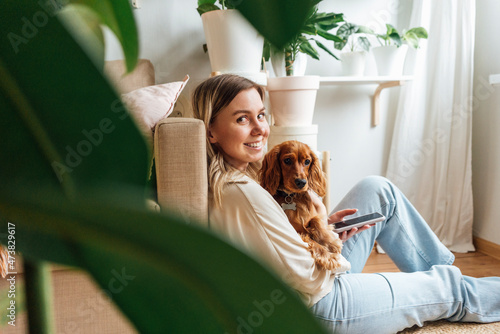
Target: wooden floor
x=473, y=264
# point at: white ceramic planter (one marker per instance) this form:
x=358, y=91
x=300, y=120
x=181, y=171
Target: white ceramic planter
x=292, y=99
x=299, y=65
x=353, y=63
x=305, y=134
x=390, y=59
x=234, y=46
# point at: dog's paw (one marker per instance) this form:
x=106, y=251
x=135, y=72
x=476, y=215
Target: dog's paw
x=331, y=262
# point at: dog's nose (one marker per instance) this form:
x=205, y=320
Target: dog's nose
x=300, y=183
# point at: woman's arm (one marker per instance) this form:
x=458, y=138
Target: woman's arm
x=336, y=217
x=252, y=219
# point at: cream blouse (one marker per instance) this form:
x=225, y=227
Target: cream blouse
x=251, y=218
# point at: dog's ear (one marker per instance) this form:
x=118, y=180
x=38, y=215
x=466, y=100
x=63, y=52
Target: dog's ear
x=316, y=178
x=270, y=172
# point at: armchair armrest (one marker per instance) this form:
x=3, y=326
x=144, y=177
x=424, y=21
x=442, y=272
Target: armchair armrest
x=181, y=167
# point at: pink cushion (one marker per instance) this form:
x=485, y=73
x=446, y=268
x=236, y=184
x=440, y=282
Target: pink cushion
x=150, y=104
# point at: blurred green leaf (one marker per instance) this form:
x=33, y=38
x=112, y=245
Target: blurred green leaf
x=73, y=178
x=412, y=40
x=328, y=36
x=117, y=15
x=206, y=7
x=309, y=29
x=316, y=24
x=419, y=32
x=322, y=46
x=365, y=30
x=364, y=43
x=347, y=32
x=71, y=127
x=278, y=20
x=202, y=2
x=394, y=36
x=308, y=49
x=413, y=36
x=347, y=29
x=328, y=21
x=71, y=122
x=161, y=271
x=85, y=26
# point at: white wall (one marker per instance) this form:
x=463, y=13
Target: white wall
x=171, y=36
x=486, y=124
x=343, y=113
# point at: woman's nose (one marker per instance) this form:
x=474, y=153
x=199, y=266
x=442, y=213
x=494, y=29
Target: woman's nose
x=258, y=128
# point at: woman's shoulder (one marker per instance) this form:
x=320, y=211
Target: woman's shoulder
x=245, y=189
x=244, y=186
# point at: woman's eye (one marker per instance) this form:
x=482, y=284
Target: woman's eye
x=242, y=119
x=287, y=161
x=307, y=162
x=261, y=116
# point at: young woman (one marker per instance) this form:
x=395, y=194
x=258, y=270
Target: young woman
x=428, y=288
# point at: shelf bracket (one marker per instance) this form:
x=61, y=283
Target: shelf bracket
x=376, y=99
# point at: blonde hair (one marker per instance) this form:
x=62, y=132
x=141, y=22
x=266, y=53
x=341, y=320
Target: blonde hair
x=209, y=98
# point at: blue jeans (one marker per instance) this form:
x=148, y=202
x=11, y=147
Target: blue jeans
x=428, y=288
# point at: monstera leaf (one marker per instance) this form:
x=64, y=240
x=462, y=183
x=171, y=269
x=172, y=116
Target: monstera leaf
x=73, y=173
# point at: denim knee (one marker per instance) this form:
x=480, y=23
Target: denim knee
x=379, y=185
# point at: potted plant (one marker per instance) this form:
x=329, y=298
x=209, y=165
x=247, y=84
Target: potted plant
x=317, y=24
x=390, y=56
x=293, y=96
x=233, y=44
x=354, y=47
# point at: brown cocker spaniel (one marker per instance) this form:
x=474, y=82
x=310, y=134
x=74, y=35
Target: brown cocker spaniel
x=289, y=172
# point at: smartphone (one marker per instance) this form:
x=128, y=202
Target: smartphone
x=347, y=224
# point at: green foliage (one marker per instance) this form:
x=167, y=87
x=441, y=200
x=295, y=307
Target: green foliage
x=73, y=177
x=317, y=25
x=117, y=16
x=209, y=5
x=353, y=36
x=411, y=37
x=169, y=271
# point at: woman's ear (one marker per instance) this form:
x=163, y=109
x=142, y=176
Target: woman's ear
x=316, y=178
x=270, y=172
x=211, y=137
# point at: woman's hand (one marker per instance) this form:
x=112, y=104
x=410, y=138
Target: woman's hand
x=339, y=216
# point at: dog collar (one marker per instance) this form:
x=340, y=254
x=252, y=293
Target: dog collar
x=289, y=203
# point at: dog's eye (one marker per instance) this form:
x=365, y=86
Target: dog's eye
x=307, y=162
x=287, y=161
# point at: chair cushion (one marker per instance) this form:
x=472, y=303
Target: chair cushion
x=148, y=105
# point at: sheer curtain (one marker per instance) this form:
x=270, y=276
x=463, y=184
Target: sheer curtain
x=430, y=156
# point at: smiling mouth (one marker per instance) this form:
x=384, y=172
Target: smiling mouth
x=254, y=145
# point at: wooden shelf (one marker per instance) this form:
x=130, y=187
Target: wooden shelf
x=382, y=82
x=363, y=80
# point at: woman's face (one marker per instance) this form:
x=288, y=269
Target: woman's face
x=240, y=130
